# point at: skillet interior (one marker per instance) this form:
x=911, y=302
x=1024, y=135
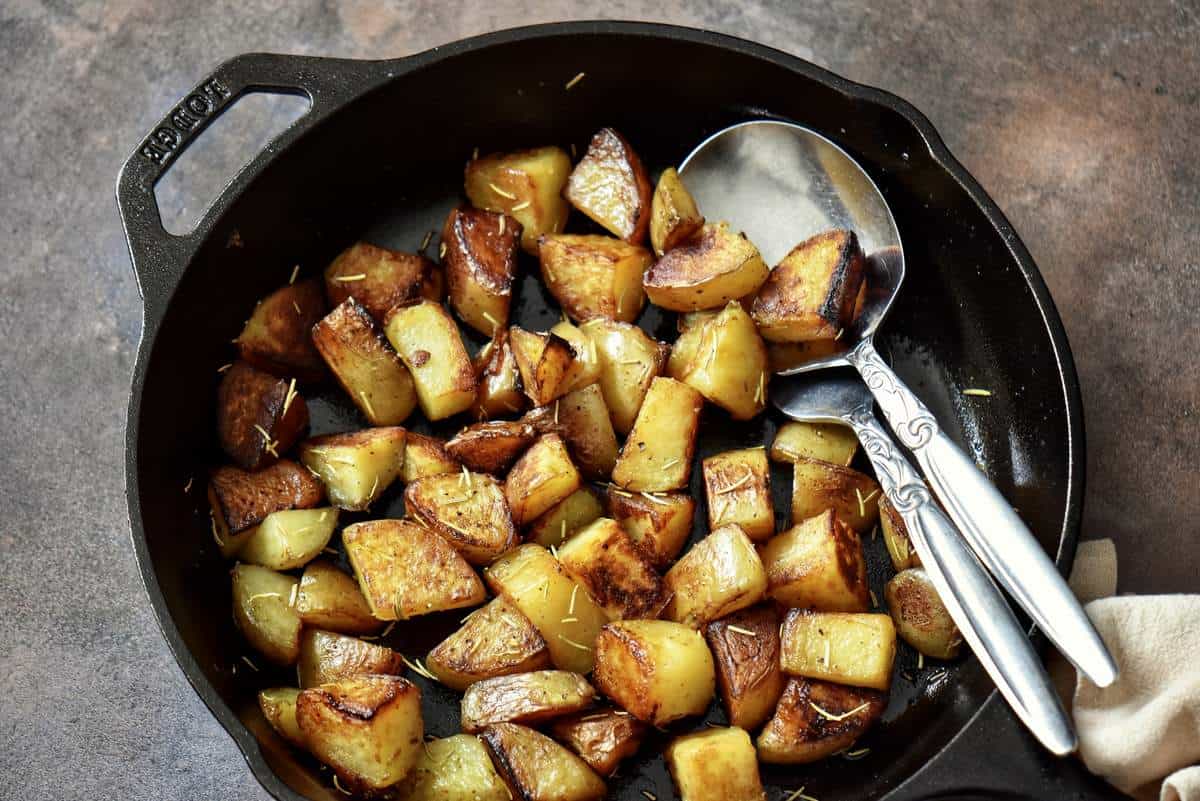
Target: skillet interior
x=388, y=166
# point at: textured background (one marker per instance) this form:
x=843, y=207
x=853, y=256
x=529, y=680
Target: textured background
x=1080, y=119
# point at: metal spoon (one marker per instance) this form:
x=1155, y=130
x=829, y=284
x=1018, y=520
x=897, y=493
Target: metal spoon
x=783, y=183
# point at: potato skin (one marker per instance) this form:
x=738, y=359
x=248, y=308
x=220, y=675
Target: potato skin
x=798, y=733
x=715, y=765
x=674, y=217
x=811, y=294
x=657, y=670
x=720, y=575
x=278, y=705
x=748, y=673
x=480, y=262
x=455, y=768
x=582, y=419
x=276, y=337
x=817, y=486
x=327, y=657
x=330, y=599
x=712, y=268
x=494, y=640
x=610, y=185
x=895, y=537
x=817, y=564
x=541, y=478
x=826, y=442
x=594, y=276
x=261, y=612
x=737, y=487
x=616, y=573
x=544, y=362
x=252, y=424
x=658, y=525
x=426, y=456
x=921, y=618
x=536, y=768
x=601, y=738
x=468, y=510
x=498, y=379
x=524, y=698
x=240, y=499
x=526, y=185
x=490, y=447
x=380, y=279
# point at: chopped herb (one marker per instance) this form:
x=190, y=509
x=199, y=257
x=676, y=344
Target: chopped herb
x=830, y=716
x=345, y=279
x=571, y=83
x=858, y=754
x=425, y=241
x=295, y=272
x=571, y=606
x=253, y=666
x=442, y=250
x=574, y=644
x=920, y=661
x=188, y=486
x=291, y=396
x=501, y=192
x=874, y=599
x=296, y=306
x=979, y=393
x=649, y=795
x=740, y=630
x=224, y=367
x=366, y=402
x=524, y=204
x=502, y=219
x=740, y=482
x=339, y=787
x=650, y=496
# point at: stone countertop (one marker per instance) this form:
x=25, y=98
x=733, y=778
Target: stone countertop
x=1080, y=119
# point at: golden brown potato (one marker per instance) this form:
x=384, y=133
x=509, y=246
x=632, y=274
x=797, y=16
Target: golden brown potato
x=263, y=613
x=584, y=369
x=356, y=466
x=499, y=380
x=816, y=719
x=545, y=363
x=426, y=456
x=289, y=539
x=405, y=570
x=527, y=698
x=658, y=523
x=817, y=564
x=367, y=728
x=843, y=647
x=481, y=260
x=826, y=442
x=565, y=518
x=712, y=268
x=467, y=509
x=581, y=418
x=610, y=185
x=674, y=217
x=715, y=765
x=259, y=416
x=381, y=279
x=629, y=360
x=811, y=293
x=594, y=276
x=495, y=640
x=239, y=500
x=365, y=364
x=536, y=768
x=276, y=337
x=656, y=670
x=718, y=576
x=526, y=185
x=278, y=705
x=617, y=573
x=657, y=454
x=895, y=537
x=745, y=647
x=455, y=768
x=921, y=618
x=541, y=478
x=737, y=486
x=786, y=355
x=432, y=349
x=601, y=738
x=490, y=447
x=329, y=599
x=817, y=486
x=327, y=657
x=728, y=364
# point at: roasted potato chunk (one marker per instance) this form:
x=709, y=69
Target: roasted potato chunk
x=715, y=765
x=816, y=719
x=405, y=570
x=786, y=355
x=745, y=647
x=565, y=518
x=499, y=380
x=289, y=539
x=490, y=447
x=656, y=670
x=526, y=185
x=278, y=705
x=259, y=416
x=895, y=537
x=276, y=337
x=381, y=279
x=455, y=768
x=817, y=486
x=481, y=260
x=357, y=466
x=541, y=478
x=581, y=418
x=921, y=618
x=616, y=573
x=426, y=456
x=329, y=599
x=367, y=728
x=659, y=524
x=718, y=576
x=467, y=509
x=263, y=614
x=432, y=349
x=600, y=738
x=239, y=500
x=536, y=768
x=594, y=276
x=811, y=293
x=737, y=486
x=657, y=454
x=495, y=640
x=524, y=698
x=847, y=648
x=674, y=217
x=712, y=268
x=610, y=185
x=629, y=360
x=817, y=564
x=544, y=362
x=327, y=657
x=826, y=442
x=585, y=367
x=728, y=365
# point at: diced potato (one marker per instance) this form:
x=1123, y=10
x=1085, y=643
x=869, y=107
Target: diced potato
x=526, y=185
x=729, y=364
x=289, y=539
x=737, y=486
x=614, y=570
x=715, y=765
x=565, y=518
x=816, y=719
x=327, y=657
x=536, y=768
x=585, y=367
x=718, y=576
x=921, y=618
x=562, y=611
x=895, y=537
x=686, y=346
x=432, y=349
x=817, y=486
x=581, y=418
x=546, y=363
x=524, y=698
x=629, y=361
x=498, y=378
x=843, y=647
x=610, y=185
x=467, y=509
x=656, y=670
x=263, y=614
x=490, y=447
x=712, y=268
x=674, y=217
x=367, y=728
x=329, y=599
x=357, y=466
x=826, y=442
x=601, y=739
x=381, y=279
x=657, y=454
x=495, y=640
x=455, y=768
x=404, y=570
x=276, y=337
x=745, y=647
x=786, y=355
x=541, y=478
x=817, y=564
x=481, y=260
x=426, y=456
x=594, y=276
x=365, y=364
x=259, y=416
x=239, y=500
x=278, y=705
x=659, y=524
x=811, y=293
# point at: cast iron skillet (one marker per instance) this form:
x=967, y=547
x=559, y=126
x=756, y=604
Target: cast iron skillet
x=380, y=156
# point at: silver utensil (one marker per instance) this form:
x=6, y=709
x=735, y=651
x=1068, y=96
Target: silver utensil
x=783, y=183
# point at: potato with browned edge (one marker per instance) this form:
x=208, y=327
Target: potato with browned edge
x=499, y=380
x=276, y=337
x=431, y=347
x=657, y=670
x=455, y=768
x=527, y=185
x=289, y=539
x=581, y=418
x=674, y=217
x=786, y=355
x=239, y=500
x=811, y=294
x=717, y=764
x=278, y=705
x=657, y=454
x=259, y=416
x=629, y=361
x=594, y=276
x=610, y=185
x=745, y=647
x=817, y=486
x=330, y=599
x=737, y=487
x=491, y=447
x=381, y=279
x=565, y=518
x=545, y=363
x=494, y=640
x=426, y=456
x=921, y=618
x=843, y=647
x=542, y=477
x=326, y=656
x=263, y=613
x=819, y=565
x=816, y=719
x=617, y=573
x=895, y=537
x=536, y=768
x=728, y=365
x=659, y=523
x=721, y=574
x=826, y=442
x=467, y=509
x=527, y=698
x=712, y=268
x=601, y=738
x=357, y=466
x=480, y=257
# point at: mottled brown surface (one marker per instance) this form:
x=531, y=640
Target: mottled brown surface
x=1080, y=118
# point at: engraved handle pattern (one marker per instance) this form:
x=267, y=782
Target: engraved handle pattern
x=899, y=481
x=914, y=424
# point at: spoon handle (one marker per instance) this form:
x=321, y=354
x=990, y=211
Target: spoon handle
x=999, y=537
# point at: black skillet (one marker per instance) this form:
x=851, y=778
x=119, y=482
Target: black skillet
x=380, y=155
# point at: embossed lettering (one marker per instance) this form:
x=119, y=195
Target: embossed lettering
x=198, y=104
x=215, y=89
x=154, y=152
x=167, y=137
x=183, y=121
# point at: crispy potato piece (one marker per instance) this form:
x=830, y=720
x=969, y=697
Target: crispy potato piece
x=327, y=657
x=745, y=648
x=594, y=276
x=481, y=260
x=657, y=455
x=565, y=518
x=495, y=640
x=239, y=500
x=610, y=185
x=659, y=524
x=381, y=279
x=544, y=362
x=817, y=486
x=526, y=185
x=816, y=719
x=541, y=478
x=656, y=670
x=895, y=537
x=817, y=564
x=811, y=293
x=455, y=768
x=259, y=416
x=490, y=447
x=601, y=739
x=585, y=367
x=715, y=765
x=467, y=509
x=826, y=442
x=843, y=647
x=426, y=456
x=718, y=576
x=674, y=217
x=562, y=611
x=728, y=365
x=581, y=418
x=262, y=613
x=629, y=361
x=499, y=380
x=737, y=486
x=365, y=364
x=356, y=466
x=524, y=698
x=921, y=618
x=289, y=539
x=276, y=337
x=405, y=570
x=329, y=599
x=278, y=705
x=614, y=570
x=536, y=768
x=367, y=728
x=686, y=346
x=431, y=347
x=786, y=355
x=712, y=268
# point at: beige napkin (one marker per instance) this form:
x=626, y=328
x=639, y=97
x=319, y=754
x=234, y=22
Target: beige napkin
x=1142, y=734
